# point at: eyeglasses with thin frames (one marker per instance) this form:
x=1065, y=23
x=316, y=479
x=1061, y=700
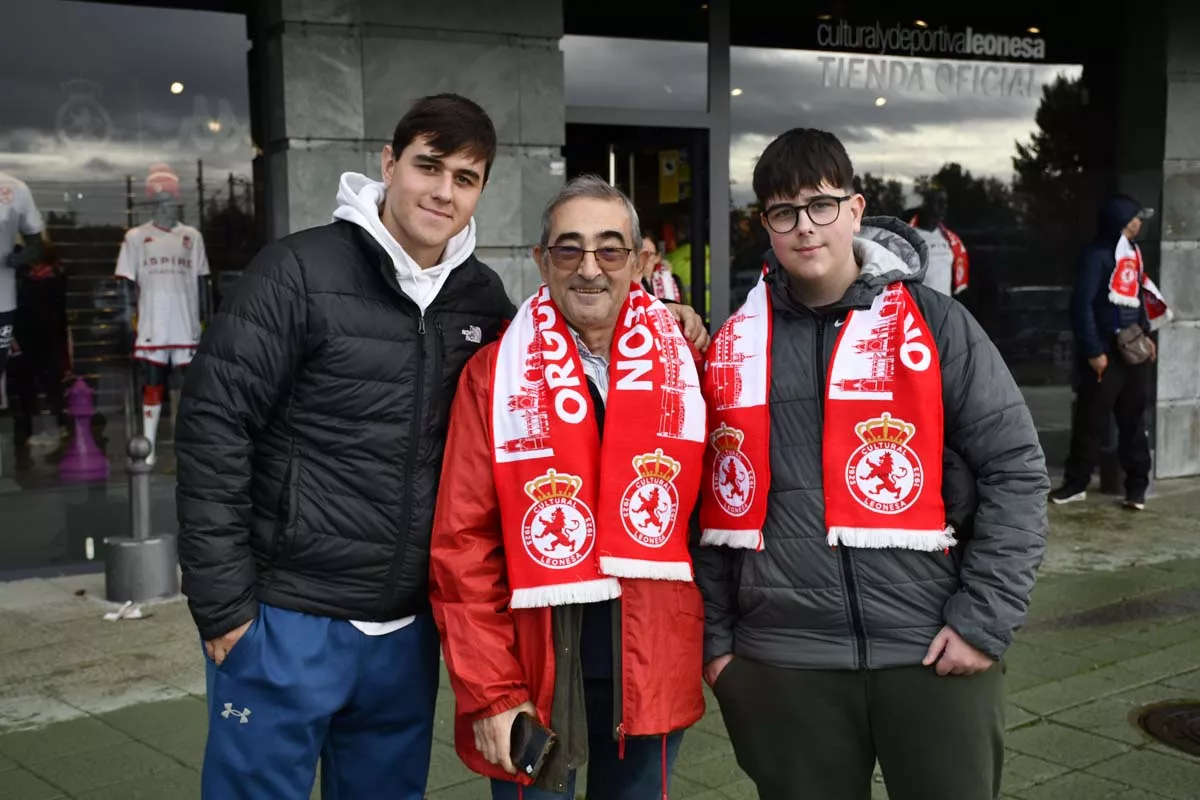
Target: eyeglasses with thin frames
x=822, y=210
x=609, y=259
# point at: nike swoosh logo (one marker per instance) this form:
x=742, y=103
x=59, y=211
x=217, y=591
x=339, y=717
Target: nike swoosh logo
x=837, y=323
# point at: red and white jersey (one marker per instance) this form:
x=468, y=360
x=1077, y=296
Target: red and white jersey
x=18, y=215
x=166, y=265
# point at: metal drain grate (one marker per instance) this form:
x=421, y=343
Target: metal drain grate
x=1174, y=724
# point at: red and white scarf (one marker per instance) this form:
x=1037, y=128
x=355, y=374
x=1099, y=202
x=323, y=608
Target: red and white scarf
x=958, y=251
x=577, y=513
x=1128, y=276
x=662, y=283
x=883, y=430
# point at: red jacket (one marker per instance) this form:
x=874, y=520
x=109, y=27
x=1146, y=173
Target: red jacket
x=497, y=658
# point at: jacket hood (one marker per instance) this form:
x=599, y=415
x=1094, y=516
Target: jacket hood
x=888, y=250
x=1116, y=212
x=359, y=199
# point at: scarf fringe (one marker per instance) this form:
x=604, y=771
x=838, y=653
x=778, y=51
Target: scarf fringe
x=654, y=570
x=1118, y=299
x=564, y=594
x=744, y=539
x=929, y=541
x=1163, y=319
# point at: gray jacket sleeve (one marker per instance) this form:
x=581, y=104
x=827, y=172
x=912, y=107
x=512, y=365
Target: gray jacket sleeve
x=716, y=577
x=989, y=426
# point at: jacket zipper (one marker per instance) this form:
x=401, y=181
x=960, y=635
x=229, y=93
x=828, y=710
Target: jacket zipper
x=618, y=629
x=439, y=356
x=414, y=440
x=860, y=638
x=418, y=420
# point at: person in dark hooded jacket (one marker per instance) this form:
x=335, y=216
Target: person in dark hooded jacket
x=1105, y=383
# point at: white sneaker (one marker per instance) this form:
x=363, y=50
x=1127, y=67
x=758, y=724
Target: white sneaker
x=1064, y=495
x=44, y=439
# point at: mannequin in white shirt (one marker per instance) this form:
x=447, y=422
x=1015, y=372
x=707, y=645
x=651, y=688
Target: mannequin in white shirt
x=928, y=222
x=156, y=376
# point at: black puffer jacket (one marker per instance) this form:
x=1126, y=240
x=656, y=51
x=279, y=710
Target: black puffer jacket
x=311, y=431
x=800, y=603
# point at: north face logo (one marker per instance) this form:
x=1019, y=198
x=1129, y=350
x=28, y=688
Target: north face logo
x=473, y=334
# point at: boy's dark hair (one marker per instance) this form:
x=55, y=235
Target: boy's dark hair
x=452, y=123
x=802, y=158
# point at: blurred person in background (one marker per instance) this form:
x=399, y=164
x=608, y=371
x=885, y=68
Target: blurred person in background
x=37, y=362
x=1114, y=305
x=656, y=275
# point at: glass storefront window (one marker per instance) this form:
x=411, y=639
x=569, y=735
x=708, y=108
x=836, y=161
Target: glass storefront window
x=639, y=74
x=995, y=137
x=134, y=111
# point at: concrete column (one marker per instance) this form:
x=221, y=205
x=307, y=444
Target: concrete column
x=1178, y=405
x=333, y=77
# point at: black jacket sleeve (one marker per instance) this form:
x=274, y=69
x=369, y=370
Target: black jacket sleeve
x=244, y=366
x=989, y=426
x=1089, y=281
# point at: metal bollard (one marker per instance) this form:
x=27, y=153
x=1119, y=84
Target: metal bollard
x=140, y=567
x=139, y=486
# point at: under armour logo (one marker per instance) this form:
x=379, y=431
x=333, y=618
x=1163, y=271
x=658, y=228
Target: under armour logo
x=230, y=711
x=6, y=331
x=472, y=334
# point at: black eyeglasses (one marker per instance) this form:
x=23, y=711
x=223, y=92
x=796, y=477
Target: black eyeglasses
x=610, y=259
x=823, y=210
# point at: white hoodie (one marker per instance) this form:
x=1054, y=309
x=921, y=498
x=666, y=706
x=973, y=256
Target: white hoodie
x=359, y=200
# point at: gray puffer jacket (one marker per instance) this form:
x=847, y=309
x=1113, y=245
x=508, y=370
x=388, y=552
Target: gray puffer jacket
x=801, y=604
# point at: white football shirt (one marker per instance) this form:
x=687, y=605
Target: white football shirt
x=940, y=273
x=166, y=265
x=18, y=215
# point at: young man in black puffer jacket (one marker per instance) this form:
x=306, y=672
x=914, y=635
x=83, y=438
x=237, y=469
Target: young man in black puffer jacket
x=310, y=441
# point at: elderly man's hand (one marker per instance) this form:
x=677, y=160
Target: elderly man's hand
x=493, y=736
x=691, y=324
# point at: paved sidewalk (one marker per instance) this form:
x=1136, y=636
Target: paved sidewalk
x=99, y=710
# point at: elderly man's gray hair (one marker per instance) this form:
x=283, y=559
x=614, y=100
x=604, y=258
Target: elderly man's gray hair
x=596, y=188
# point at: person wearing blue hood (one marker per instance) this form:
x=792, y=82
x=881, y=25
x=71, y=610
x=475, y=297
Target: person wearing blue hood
x=1108, y=314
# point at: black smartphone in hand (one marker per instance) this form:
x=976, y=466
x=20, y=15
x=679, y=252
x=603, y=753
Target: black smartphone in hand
x=530, y=744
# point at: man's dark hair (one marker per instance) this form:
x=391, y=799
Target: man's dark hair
x=802, y=158
x=452, y=123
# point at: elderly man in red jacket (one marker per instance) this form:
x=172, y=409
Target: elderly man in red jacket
x=560, y=576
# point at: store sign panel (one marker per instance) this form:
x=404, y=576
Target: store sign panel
x=888, y=75
x=927, y=41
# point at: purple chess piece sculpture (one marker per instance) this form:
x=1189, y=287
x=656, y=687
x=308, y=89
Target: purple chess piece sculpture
x=84, y=461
